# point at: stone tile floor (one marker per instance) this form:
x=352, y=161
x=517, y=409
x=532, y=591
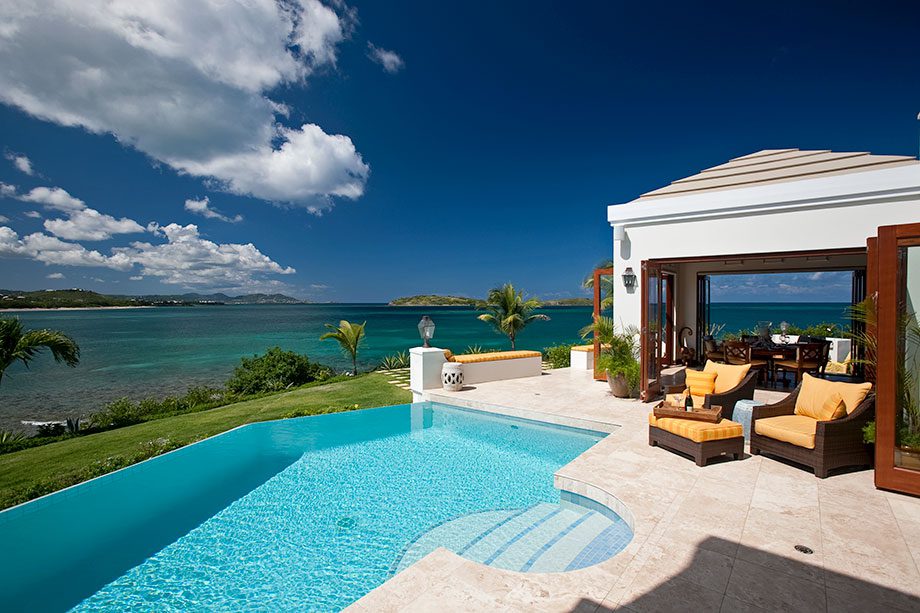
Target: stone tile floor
x=718, y=538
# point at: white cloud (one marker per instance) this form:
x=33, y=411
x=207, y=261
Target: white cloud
x=91, y=225
x=4, y=219
x=53, y=198
x=7, y=190
x=33, y=214
x=390, y=60
x=188, y=259
x=202, y=207
x=136, y=278
x=22, y=163
x=55, y=275
x=187, y=82
x=52, y=250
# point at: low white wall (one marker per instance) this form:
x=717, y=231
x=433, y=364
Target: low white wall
x=499, y=370
x=582, y=360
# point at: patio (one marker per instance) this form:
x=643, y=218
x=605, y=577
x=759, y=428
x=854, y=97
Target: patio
x=705, y=539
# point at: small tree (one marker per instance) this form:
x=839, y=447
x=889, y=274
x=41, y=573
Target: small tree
x=17, y=344
x=349, y=337
x=508, y=312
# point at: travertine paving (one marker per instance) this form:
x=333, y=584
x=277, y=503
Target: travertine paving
x=718, y=538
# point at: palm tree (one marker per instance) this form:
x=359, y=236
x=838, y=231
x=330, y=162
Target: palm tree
x=21, y=345
x=508, y=312
x=606, y=284
x=349, y=336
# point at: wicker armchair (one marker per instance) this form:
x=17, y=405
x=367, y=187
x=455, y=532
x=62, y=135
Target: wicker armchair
x=726, y=400
x=838, y=443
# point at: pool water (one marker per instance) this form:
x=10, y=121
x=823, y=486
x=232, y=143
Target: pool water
x=306, y=514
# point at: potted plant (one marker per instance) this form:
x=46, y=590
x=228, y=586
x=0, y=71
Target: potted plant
x=618, y=356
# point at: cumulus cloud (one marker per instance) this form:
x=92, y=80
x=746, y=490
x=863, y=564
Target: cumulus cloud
x=184, y=259
x=55, y=275
x=187, y=82
x=7, y=190
x=390, y=60
x=202, y=207
x=33, y=214
x=91, y=225
x=22, y=163
x=188, y=259
x=52, y=197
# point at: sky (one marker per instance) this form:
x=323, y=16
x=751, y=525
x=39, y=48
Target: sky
x=366, y=150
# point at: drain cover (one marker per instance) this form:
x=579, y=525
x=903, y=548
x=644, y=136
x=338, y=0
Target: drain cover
x=515, y=427
x=804, y=549
x=345, y=523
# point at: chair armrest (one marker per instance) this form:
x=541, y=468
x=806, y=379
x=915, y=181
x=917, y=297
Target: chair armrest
x=853, y=423
x=742, y=391
x=786, y=406
x=674, y=389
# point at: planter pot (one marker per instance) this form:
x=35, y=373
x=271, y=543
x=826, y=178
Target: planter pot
x=618, y=385
x=907, y=457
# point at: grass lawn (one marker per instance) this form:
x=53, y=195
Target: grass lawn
x=33, y=472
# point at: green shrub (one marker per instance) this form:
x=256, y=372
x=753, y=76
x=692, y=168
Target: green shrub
x=274, y=371
x=399, y=359
x=125, y=412
x=11, y=436
x=307, y=412
x=472, y=349
x=558, y=356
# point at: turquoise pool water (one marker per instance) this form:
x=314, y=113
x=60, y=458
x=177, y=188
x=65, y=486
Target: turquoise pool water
x=304, y=514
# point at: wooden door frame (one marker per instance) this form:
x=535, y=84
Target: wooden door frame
x=598, y=273
x=648, y=391
x=887, y=281
x=669, y=281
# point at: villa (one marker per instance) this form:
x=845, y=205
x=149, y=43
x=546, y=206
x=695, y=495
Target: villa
x=505, y=486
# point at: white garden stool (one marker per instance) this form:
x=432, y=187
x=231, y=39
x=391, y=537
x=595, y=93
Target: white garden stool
x=452, y=376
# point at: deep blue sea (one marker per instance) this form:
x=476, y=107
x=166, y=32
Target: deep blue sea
x=158, y=351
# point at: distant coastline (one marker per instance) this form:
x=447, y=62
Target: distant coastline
x=75, y=308
x=422, y=300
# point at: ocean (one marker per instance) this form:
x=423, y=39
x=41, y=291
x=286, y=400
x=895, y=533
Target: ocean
x=160, y=351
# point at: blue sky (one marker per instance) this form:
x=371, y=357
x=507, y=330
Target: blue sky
x=359, y=152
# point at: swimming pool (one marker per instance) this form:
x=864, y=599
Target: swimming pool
x=308, y=513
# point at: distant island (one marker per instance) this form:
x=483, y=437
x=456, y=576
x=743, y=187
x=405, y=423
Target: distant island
x=82, y=298
x=462, y=301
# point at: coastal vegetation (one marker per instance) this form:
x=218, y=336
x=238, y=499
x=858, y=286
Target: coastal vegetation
x=82, y=298
x=37, y=471
x=619, y=355
x=274, y=371
x=395, y=361
x=606, y=284
x=509, y=313
x=20, y=345
x=558, y=356
x=349, y=337
x=821, y=330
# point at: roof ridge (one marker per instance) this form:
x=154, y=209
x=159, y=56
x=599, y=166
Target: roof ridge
x=748, y=169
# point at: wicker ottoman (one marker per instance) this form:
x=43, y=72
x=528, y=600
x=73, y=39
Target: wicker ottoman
x=699, y=439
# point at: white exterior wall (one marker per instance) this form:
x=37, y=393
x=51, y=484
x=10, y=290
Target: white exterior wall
x=833, y=212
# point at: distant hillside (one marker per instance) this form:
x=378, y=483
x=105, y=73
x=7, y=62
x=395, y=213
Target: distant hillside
x=461, y=301
x=434, y=300
x=77, y=298
x=569, y=302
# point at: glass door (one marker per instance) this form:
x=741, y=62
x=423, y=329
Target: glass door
x=898, y=359
x=652, y=312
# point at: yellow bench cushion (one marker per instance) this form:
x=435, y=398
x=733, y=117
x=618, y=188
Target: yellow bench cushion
x=815, y=392
x=728, y=376
x=697, y=431
x=795, y=429
x=700, y=383
x=585, y=348
x=472, y=358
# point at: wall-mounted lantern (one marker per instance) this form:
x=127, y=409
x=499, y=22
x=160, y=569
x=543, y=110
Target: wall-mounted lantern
x=629, y=278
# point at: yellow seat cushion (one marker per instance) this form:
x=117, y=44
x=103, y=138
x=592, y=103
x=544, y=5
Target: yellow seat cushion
x=700, y=383
x=585, y=348
x=472, y=358
x=796, y=429
x=728, y=376
x=697, y=431
x=678, y=399
x=816, y=391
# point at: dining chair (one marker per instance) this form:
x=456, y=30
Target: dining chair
x=809, y=357
x=739, y=352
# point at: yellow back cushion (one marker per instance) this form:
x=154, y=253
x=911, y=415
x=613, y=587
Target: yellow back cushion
x=728, y=376
x=833, y=408
x=701, y=383
x=815, y=392
x=449, y=355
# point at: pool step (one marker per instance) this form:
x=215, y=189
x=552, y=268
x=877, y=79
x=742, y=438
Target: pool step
x=545, y=537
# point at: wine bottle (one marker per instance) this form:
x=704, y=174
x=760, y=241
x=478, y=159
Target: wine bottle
x=688, y=402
